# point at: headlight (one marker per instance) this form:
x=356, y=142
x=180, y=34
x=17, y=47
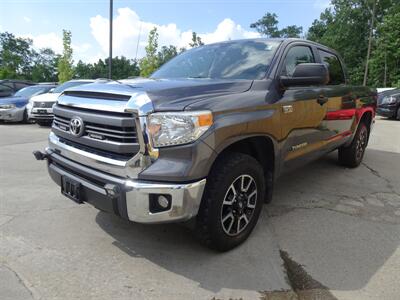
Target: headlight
x=389, y=100
x=7, y=106
x=177, y=128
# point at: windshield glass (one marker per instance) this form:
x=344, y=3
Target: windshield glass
x=231, y=60
x=68, y=85
x=31, y=91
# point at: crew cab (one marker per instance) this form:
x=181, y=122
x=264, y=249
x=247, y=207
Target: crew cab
x=205, y=137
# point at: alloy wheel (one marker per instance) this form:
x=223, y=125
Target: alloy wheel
x=239, y=205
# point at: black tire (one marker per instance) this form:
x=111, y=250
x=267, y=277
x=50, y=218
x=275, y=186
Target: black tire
x=25, y=117
x=352, y=155
x=211, y=229
x=398, y=114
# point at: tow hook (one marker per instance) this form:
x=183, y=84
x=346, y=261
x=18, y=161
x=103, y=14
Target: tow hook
x=39, y=155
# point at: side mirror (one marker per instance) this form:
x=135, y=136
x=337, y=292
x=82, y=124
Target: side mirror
x=307, y=74
x=51, y=90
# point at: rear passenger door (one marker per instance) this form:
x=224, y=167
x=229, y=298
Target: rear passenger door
x=341, y=105
x=301, y=114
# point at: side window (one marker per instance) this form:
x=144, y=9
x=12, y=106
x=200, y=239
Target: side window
x=296, y=55
x=19, y=86
x=336, y=75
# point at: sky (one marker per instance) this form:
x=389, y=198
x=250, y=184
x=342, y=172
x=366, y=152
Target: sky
x=88, y=20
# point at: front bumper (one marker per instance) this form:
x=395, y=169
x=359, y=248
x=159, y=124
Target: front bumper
x=388, y=112
x=15, y=114
x=133, y=200
x=47, y=114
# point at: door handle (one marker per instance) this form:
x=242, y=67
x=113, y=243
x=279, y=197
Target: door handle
x=322, y=100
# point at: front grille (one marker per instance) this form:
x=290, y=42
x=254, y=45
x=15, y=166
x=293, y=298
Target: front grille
x=43, y=104
x=107, y=134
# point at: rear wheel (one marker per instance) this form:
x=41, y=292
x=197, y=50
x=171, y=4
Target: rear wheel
x=398, y=114
x=352, y=155
x=232, y=202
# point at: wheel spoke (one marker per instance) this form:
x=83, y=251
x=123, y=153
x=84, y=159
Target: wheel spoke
x=230, y=215
x=238, y=205
x=229, y=202
x=253, y=194
x=251, y=205
x=230, y=224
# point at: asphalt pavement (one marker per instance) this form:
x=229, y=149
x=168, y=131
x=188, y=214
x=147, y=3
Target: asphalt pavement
x=330, y=233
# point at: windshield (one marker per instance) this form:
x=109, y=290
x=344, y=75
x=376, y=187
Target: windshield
x=32, y=91
x=231, y=60
x=68, y=85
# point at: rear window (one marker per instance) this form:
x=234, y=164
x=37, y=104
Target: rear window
x=336, y=74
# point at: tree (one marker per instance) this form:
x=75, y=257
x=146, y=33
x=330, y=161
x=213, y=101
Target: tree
x=15, y=56
x=149, y=63
x=196, y=40
x=166, y=54
x=45, y=66
x=65, y=68
x=385, y=58
x=292, y=31
x=267, y=25
x=345, y=26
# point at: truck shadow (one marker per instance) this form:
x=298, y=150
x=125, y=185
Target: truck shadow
x=322, y=216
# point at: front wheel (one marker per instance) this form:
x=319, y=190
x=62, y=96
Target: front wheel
x=352, y=155
x=232, y=202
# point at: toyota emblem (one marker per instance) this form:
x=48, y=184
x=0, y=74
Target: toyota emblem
x=76, y=126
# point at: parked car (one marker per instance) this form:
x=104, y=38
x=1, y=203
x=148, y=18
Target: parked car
x=389, y=104
x=13, y=109
x=9, y=87
x=40, y=108
x=207, y=135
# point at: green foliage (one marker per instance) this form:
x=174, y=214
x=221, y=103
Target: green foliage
x=345, y=27
x=122, y=68
x=150, y=63
x=65, y=68
x=385, y=58
x=268, y=26
x=196, y=40
x=45, y=66
x=166, y=53
x=15, y=56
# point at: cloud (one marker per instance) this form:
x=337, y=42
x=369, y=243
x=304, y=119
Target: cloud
x=127, y=26
x=54, y=41
x=27, y=19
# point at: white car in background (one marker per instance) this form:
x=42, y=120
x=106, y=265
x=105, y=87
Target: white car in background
x=40, y=108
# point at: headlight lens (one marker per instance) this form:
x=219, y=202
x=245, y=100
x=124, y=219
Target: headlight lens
x=177, y=128
x=7, y=106
x=389, y=100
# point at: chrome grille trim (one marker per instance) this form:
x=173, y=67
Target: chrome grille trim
x=39, y=104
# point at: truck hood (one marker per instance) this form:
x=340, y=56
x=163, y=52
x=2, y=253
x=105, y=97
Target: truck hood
x=164, y=95
x=48, y=97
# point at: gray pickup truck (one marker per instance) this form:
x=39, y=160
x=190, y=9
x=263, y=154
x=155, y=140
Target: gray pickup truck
x=206, y=136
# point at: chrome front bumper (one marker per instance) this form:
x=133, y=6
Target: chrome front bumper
x=133, y=202
x=35, y=115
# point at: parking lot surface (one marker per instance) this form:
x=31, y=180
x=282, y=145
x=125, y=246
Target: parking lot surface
x=330, y=232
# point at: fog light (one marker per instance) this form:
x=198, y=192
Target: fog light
x=159, y=203
x=163, y=201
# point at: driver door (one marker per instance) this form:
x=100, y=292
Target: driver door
x=301, y=113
